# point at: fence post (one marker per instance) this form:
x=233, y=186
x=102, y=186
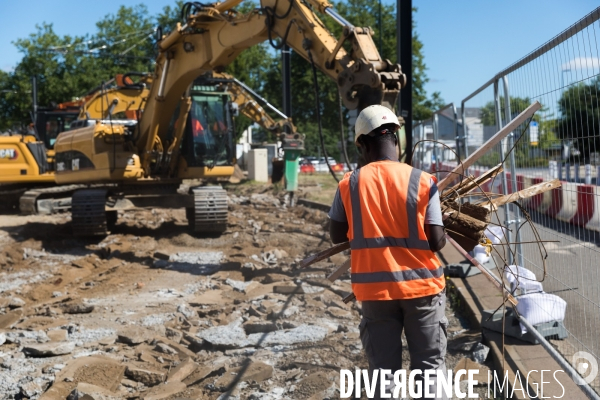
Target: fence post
x=577, y=172
x=465, y=132
x=498, y=114
x=516, y=212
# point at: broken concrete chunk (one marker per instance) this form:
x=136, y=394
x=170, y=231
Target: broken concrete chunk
x=16, y=302
x=465, y=341
x=133, y=335
x=58, y=335
x=233, y=335
x=82, y=263
x=145, y=376
x=288, y=289
x=254, y=312
x=271, y=278
x=77, y=308
x=480, y=352
x=2, y=338
x=87, y=391
x=204, y=372
x=174, y=334
x=163, y=348
x=9, y=319
x=210, y=297
x=186, y=311
x=239, y=286
x=34, y=388
x=182, y=371
x=164, y=391
x=50, y=349
x=259, y=327
x=182, y=351
x=338, y=313
x=129, y=383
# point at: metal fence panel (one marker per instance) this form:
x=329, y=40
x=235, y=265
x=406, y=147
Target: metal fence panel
x=561, y=141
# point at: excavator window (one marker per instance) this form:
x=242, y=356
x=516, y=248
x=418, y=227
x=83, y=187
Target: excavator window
x=207, y=130
x=50, y=123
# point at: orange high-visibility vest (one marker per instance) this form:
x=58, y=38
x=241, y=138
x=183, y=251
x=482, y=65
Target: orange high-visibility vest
x=385, y=203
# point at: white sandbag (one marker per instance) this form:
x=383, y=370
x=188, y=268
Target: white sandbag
x=495, y=233
x=480, y=254
x=521, y=278
x=538, y=308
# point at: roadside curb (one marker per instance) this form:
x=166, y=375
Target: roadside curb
x=458, y=287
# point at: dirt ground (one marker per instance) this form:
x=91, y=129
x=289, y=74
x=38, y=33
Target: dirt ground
x=154, y=312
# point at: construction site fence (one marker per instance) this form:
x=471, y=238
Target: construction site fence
x=561, y=141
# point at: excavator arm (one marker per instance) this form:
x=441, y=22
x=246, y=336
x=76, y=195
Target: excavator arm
x=215, y=35
x=248, y=106
x=126, y=97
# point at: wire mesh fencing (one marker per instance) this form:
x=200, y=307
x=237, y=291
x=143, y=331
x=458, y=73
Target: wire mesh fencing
x=554, y=237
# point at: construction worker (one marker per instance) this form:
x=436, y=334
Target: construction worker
x=391, y=215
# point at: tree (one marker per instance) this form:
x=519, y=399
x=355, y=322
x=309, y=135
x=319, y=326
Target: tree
x=522, y=148
x=68, y=67
x=580, y=116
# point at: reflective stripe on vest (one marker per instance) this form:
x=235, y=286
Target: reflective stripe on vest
x=396, y=276
x=411, y=242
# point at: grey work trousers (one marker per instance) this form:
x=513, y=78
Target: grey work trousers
x=425, y=325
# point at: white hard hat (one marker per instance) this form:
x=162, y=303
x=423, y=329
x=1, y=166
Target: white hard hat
x=372, y=118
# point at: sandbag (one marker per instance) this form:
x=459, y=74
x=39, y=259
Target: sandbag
x=521, y=278
x=539, y=308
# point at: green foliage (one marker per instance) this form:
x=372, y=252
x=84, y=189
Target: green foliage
x=580, y=116
x=68, y=67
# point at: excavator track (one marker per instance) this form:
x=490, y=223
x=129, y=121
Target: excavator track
x=88, y=214
x=45, y=201
x=209, y=214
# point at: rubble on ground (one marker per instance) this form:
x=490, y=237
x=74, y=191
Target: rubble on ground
x=153, y=312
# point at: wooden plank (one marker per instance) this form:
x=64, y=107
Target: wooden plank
x=324, y=254
x=484, y=271
x=522, y=194
x=494, y=140
x=469, y=184
x=340, y=270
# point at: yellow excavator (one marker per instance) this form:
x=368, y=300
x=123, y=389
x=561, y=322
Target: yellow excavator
x=143, y=165
x=115, y=103
x=27, y=159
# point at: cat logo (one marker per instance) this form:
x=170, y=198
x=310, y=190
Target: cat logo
x=75, y=164
x=10, y=154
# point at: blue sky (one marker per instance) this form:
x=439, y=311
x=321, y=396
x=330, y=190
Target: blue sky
x=465, y=42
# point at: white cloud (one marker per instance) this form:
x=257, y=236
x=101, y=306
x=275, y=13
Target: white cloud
x=582, y=63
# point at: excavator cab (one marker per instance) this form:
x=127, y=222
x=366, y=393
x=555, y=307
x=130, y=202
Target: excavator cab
x=50, y=122
x=208, y=137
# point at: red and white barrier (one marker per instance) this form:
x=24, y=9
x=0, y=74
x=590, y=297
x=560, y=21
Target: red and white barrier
x=568, y=204
x=573, y=203
x=594, y=222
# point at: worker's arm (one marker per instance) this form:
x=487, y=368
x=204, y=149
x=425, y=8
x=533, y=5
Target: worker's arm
x=338, y=231
x=435, y=236
x=338, y=221
x=434, y=225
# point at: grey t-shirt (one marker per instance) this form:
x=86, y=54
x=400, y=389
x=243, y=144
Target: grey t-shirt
x=433, y=215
